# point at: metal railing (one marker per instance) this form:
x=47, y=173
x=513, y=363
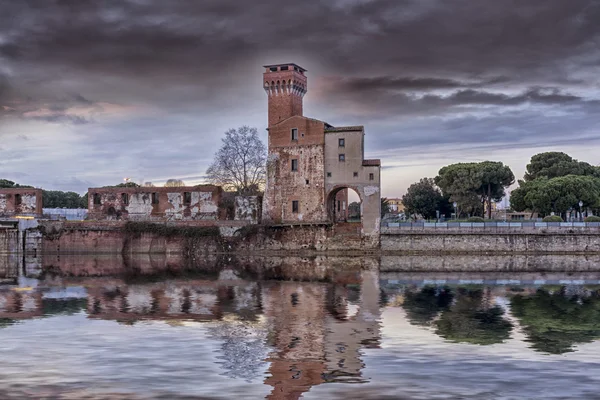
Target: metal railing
x=489, y=225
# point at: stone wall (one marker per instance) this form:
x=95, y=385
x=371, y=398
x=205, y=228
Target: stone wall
x=20, y=201
x=488, y=242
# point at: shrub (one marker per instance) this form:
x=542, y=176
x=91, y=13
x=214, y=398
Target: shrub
x=552, y=218
x=592, y=218
x=475, y=219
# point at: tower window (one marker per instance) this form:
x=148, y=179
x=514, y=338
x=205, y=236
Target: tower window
x=371, y=177
x=342, y=157
x=295, y=206
x=273, y=69
x=294, y=133
x=125, y=198
x=284, y=68
x=329, y=174
x=294, y=165
x=339, y=205
x=356, y=174
x=342, y=142
x=307, y=181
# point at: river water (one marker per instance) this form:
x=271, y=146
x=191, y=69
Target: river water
x=297, y=328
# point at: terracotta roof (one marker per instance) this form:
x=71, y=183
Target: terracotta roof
x=345, y=128
x=368, y=163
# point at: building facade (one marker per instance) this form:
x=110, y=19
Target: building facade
x=20, y=202
x=153, y=203
x=312, y=164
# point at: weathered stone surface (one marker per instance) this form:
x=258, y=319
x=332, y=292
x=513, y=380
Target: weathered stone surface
x=248, y=208
x=20, y=201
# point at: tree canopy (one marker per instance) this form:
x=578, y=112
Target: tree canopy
x=471, y=184
x=174, y=183
x=555, y=164
x=6, y=184
x=424, y=198
x=239, y=165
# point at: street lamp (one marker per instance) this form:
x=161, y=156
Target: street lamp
x=580, y=210
x=455, y=213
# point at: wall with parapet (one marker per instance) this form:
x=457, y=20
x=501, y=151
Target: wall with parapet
x=489, y=242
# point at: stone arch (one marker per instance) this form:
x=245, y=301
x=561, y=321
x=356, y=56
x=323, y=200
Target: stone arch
x=334, y=207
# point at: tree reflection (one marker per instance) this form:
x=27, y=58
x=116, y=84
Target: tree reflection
x=423, y=306
x=554, y=321
x=473, y=319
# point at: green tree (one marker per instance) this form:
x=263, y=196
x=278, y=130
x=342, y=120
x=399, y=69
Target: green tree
x=557, y=195
x=385, y=206
x=125, y=184
x=6, y=184
x=423, y=198
x=554, y=322
x=555, y=164
x=472, y=319
x=59, y=199
x=467, y=183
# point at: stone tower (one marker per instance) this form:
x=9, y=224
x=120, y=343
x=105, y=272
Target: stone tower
x=285, y=85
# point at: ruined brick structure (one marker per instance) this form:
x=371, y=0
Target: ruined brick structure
x=20, y=202
x=311, y=164
x=155, y=203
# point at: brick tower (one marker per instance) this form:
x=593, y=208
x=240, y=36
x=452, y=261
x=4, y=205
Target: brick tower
x=285, y=85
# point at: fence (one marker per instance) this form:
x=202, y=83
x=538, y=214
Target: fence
x=415, y=226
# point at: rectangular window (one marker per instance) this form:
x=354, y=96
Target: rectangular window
x=307, y=181
x=295, y=206
x=294, y=133
x=342, y=157
x=356, y=174
x=187, y=198
x=18, y=199
x=154, y=198
x=294, y=165
x=371, y=177
x=329, y=174
x=339, y=205
x=343, y=206
x=97, y=199
x=125, y=198
x=341, y=142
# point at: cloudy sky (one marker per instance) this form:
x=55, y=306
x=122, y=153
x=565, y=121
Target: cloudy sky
x=95, y=91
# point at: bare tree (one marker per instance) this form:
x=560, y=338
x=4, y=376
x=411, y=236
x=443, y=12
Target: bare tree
x=239, y=165
x=174, y=183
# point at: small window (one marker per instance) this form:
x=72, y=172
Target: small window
x=342, y=142
x=371, y=177
x=339, y=205
x=307, y=182
x=295, y=206
x=125, y=198
x=154, y=198
x=273, y=69
x=294, y=133
x=356, y=174
x=17, y=199
x=342, y=157
x=329, y=174
x=285, y=68
x=97, y=199
x=187, y=198
x=294, y=165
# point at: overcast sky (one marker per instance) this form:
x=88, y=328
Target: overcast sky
x=95, y=91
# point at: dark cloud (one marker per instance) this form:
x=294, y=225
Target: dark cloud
x=415, y=73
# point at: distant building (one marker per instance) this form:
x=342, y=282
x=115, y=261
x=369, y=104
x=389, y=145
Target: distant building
x=20, y=202
x=311, y=164
x=396, y=206
x=152, y=203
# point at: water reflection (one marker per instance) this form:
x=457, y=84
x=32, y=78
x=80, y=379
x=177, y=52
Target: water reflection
x=294, y=324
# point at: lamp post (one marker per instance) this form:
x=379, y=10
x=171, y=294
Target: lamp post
x=455, y=212
x=580, y=210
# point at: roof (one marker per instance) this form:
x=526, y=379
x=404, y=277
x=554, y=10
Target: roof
x=285, y=64
x=358, y=128
x=369, y=163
